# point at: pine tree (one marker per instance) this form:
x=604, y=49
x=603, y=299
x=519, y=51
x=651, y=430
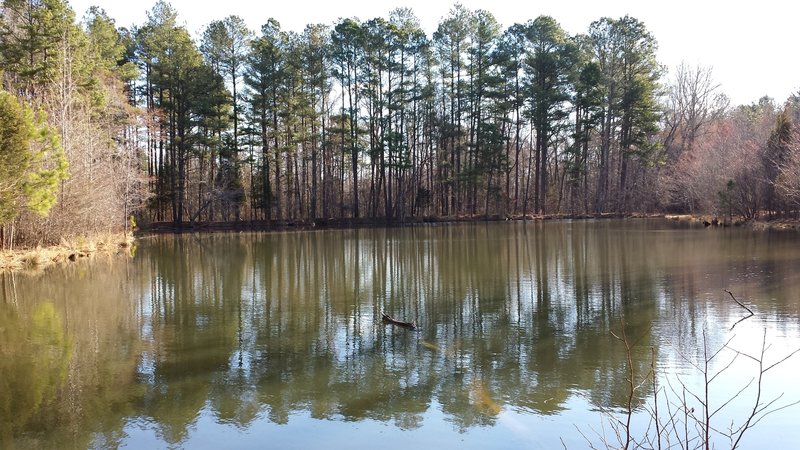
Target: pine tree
x=450, y=41
x=30, y=34
x=587, y=102
x=347, y=54
x=32, y=162
x=625, y=53
x=485, y=135
x=263, y=77
x=548, y=64
x=509, y=57
x=315, y=59
x=172, y=63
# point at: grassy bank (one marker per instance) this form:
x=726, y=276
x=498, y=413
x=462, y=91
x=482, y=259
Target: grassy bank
x=68, y=251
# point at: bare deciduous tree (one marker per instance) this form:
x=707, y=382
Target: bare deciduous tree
x=694, y=100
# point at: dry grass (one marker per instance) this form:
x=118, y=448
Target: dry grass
x=68, y=251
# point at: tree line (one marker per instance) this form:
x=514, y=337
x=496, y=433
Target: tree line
x=372, y=120
x=376, y=120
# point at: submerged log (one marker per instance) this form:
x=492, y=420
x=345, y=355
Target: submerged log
x=389, y=319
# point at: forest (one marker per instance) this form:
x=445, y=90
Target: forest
x=103, y=127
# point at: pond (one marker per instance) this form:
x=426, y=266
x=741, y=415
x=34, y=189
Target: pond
x=254, y=340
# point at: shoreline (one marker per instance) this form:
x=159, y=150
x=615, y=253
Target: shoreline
x=31, y=260
x=709, y=221
x=781, y=224
x=157, y=228
x=39, y=258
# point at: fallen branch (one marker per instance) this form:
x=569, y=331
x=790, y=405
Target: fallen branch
x=750, y=311
x=389, y=319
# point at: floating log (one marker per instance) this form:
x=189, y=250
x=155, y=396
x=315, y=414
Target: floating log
x=389, y=319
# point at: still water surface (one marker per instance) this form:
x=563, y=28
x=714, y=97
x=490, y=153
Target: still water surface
x=275, y=340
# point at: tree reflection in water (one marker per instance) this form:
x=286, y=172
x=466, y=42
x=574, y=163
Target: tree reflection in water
x=253, y=327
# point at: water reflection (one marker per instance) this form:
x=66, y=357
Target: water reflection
x=248, y=328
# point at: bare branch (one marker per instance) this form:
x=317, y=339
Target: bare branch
x=688, y=422
x=738, y=302
x=733, y=397
x=750, y=311
x=782, y=360
x=727, y=366
x=780, y=408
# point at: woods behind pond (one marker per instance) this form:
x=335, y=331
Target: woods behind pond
x=372, y=120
